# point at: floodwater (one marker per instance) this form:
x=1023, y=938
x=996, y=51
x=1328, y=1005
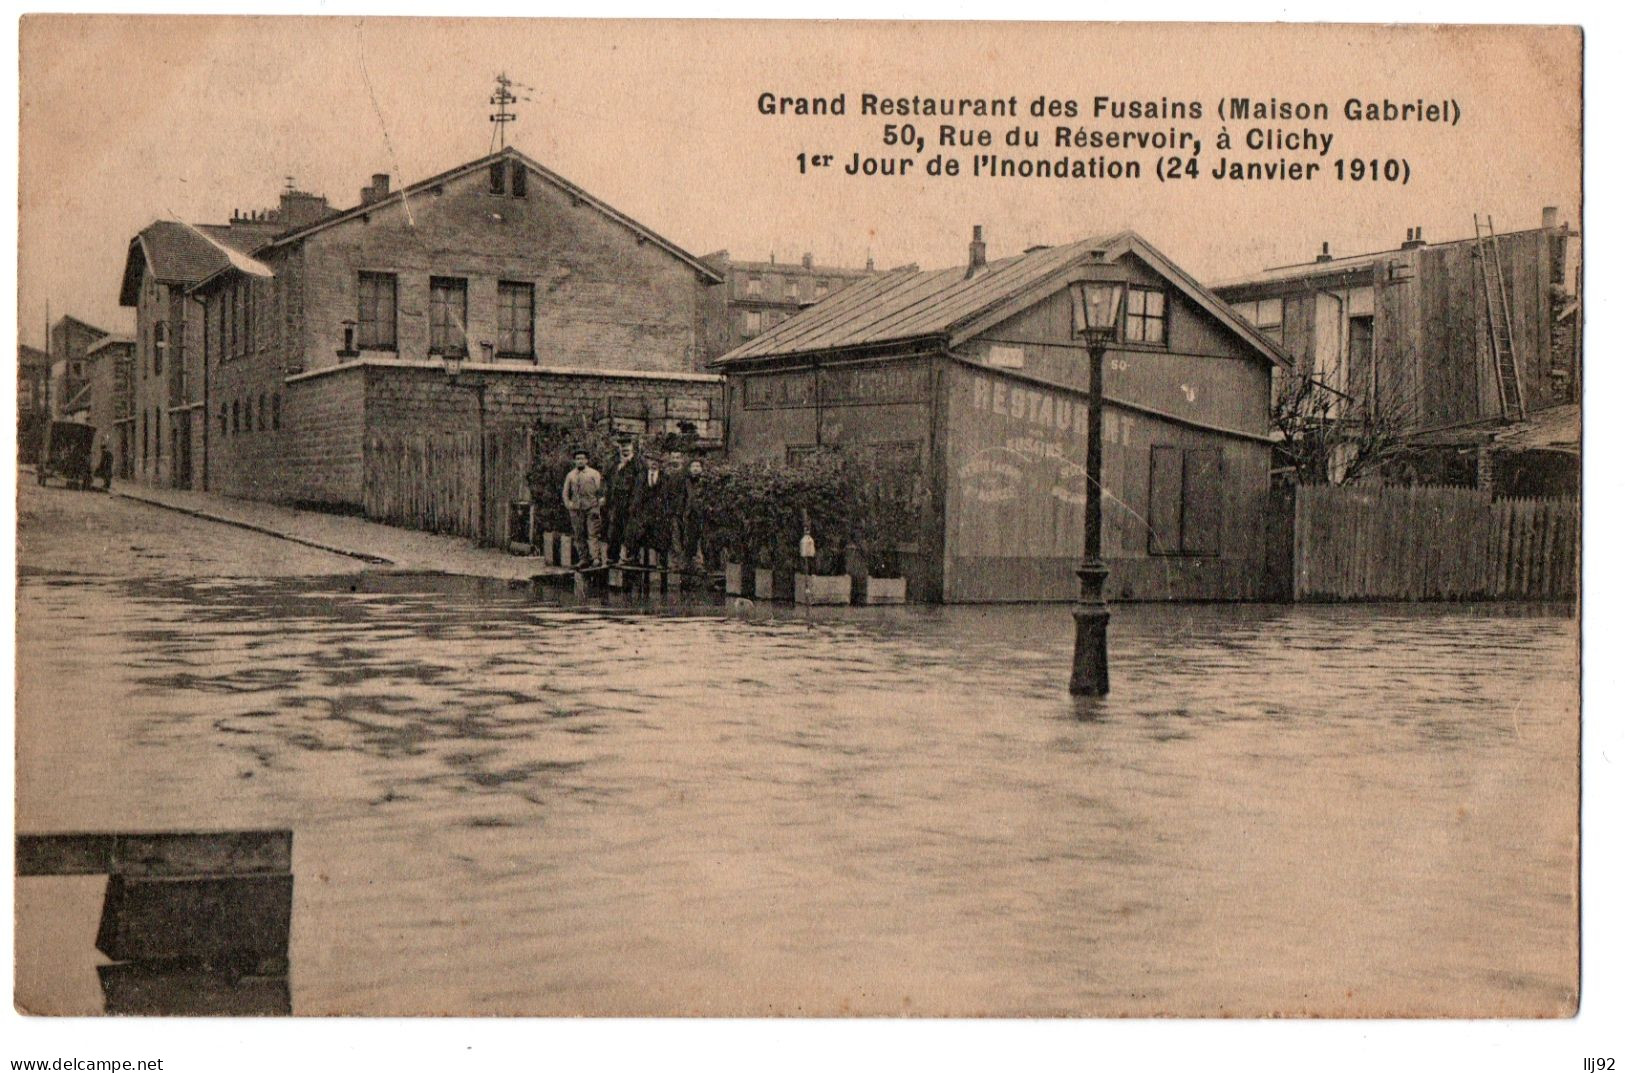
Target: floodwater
x=505, y=805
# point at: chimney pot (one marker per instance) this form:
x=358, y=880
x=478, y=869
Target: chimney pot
x=1548, y=217
x=978, y=252
x=806, y=260
x=1325, y=252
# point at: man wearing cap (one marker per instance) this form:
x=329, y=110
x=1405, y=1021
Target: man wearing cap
x=584, y=499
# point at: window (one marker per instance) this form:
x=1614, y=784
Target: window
x=753, y=287
x=160, y=342
x=143, y=437
x=375, y=320
x=276, y=410
x=820, y=289
x=222, y=419
x=753, y=322
x=236, y=417
x=1264, y=314
x=499, y=173
x=221, y=350
x=262, y=424
x=792, y=290
x=448, y=316
x=516, y=315
x=1360, y=332
x=1185, y=501
x=1146, y=319
x=519, y=178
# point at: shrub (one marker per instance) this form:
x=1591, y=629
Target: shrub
x=869, y=498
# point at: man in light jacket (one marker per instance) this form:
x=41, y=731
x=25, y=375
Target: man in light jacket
x=584, y=499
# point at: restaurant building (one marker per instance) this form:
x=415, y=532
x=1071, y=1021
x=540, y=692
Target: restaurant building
x=980, y=372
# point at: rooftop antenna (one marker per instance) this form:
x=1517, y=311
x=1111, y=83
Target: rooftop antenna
x=502, y=100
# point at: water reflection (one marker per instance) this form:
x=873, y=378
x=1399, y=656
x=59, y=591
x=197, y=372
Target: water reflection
x=530, y=807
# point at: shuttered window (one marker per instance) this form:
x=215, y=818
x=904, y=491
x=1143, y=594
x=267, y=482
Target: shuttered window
x=1186, y=501
x=516, y=316
x=448, y=316
x=375, y=318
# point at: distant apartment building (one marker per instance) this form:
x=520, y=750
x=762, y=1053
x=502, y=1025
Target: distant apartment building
x=33, y=399
x=1469, y=347
x=758, y=296
x=70, y=339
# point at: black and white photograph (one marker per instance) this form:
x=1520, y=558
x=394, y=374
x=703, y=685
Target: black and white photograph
x=797, y=519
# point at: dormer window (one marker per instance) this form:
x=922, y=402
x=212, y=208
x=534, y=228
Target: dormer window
x=519, y=179
x=499, y=177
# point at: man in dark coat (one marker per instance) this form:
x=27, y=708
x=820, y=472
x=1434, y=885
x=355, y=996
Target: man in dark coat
x=650, y=518
x=691, y=521
x=619, y=484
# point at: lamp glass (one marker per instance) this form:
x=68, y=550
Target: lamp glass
x=1102, y=303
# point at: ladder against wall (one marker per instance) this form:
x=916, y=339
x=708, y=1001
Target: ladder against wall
x=1498, y=311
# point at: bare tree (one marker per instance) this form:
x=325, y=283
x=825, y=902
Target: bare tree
x=1324, y=436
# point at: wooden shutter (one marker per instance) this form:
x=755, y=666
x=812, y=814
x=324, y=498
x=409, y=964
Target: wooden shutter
x=1167, y=480
x=1199, y=528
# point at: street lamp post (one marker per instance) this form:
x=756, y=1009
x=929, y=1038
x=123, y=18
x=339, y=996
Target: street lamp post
x=1097, y=303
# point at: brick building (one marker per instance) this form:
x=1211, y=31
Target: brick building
x=110, y=367
x=165, y=438
x=758, y=296
x=486, y=297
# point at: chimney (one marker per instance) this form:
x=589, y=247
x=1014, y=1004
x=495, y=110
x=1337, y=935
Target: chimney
x=869, y=266
x=299, y=209
x=378, y=190
x=1413, y=239
x=978, y=253
x=1325, y=252
x=1548, y=218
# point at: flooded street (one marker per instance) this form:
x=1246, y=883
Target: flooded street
x=505, y=805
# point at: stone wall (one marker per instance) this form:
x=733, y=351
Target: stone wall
x=318, y=455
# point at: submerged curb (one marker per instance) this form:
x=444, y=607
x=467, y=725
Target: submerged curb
x=365, y=557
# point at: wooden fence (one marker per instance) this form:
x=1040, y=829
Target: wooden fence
x=432, y=480
x=1355, y=543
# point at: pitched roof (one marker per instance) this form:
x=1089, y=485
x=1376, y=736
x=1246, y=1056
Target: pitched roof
x=174, y=252
x=510, y=153
x=111, y=340
x=186, y=254
x=943, y=305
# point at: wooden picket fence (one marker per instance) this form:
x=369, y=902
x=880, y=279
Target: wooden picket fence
x=1432, y=543
x=431, y=480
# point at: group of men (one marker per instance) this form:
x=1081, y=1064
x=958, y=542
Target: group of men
x=645, y=504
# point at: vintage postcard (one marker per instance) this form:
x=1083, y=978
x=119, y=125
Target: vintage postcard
x=814, y=519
